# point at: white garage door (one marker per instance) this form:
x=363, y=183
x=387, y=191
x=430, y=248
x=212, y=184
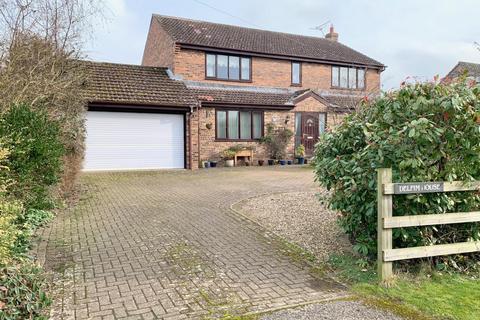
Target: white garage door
x=127, y=140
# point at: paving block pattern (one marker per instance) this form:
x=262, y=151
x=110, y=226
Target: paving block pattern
x=165, y=245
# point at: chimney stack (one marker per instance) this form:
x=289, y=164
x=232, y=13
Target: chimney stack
x=332, y=35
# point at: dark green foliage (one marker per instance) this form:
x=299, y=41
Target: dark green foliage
x=36, y=152
x=425, y=132
x=27, y=223
x=22, y=292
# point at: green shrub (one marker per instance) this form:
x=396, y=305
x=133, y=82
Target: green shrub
x=22, y=292
x=36, y=154
x=425, y=132
x=9, y=231
x=276, y=141
x=27, y=222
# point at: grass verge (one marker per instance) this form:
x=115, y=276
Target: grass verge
x=423, y=296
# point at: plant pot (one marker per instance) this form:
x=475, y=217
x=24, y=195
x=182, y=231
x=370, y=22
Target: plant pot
x=283, y=162
x=205, y=164
x=301, y=160
x=289, y=162
x=271, y=162
x=305, y=161
x=261, y=162
x=213, y=164
x=229, y=163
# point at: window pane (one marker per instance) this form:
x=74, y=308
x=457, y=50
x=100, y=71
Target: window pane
x=210, y=65
x=352, y=78
x=221, y=124
x=335, y=74
x=298, y=129
x=257, y=125
x=361, y=78
x=344, y=77
x=295, y=72
x=322, y=117
x=232, y=124
x=234, y=68
x=222, y=67
x=245, y=68
x=245, y=125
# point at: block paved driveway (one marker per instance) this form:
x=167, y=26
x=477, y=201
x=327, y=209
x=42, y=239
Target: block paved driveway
x=165, y=245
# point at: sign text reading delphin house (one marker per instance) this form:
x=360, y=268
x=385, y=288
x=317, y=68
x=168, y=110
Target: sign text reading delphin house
x=418, y=187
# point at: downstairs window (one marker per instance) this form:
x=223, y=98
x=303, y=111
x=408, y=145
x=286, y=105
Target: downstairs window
x=239, y=125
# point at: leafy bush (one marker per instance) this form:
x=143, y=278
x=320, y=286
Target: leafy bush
x=9, y=231
x=300, y=151
x=27, y=222
x=36, y=154
x=425, y=132
x=276, y=141
x=22, y=292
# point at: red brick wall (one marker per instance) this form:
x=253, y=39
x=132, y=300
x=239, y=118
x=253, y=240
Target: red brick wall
x=212, y=150
x=190, y=64
x=159, y=48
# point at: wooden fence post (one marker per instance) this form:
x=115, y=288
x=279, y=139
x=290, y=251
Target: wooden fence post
x=384, y=236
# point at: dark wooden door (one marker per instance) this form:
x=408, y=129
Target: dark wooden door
x=309, y=132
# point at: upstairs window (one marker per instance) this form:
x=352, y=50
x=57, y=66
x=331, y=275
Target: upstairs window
x=348, y=78
x=227, y=67
x=296, y=73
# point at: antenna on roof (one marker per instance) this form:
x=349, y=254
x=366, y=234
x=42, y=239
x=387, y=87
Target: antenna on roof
x=321, y=27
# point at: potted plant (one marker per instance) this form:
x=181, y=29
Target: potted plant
x=213, y=164
x=261, y=162
x=228, y=156
x=300, y=154
x=289, y=162
x=205, y=164
x=282, y=162
x=276, y=141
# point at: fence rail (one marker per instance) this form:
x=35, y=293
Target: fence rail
x=386, y=221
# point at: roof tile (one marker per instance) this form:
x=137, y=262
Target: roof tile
x=121, y=83
x=222, y=36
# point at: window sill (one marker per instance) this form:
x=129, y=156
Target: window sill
x=237, y=140
x=295, y=85
x=228, y=80
x=347, y=89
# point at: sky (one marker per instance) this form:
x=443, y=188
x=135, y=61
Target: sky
x=414, y=39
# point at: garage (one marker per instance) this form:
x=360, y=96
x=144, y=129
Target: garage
x=134, y=140
x=138, y=118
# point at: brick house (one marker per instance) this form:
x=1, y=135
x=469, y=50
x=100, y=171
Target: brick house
x=468, y=69
x=225, y=84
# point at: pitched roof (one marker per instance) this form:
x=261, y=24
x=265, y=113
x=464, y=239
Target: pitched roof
x=229, y=37
x=471, y=69
x=241, y=95
x=133, y=84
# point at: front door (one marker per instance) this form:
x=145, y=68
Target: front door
x=309, y=133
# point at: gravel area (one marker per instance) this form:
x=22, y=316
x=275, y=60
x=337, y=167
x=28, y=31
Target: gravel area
x=299, y=217
x=345, y=310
